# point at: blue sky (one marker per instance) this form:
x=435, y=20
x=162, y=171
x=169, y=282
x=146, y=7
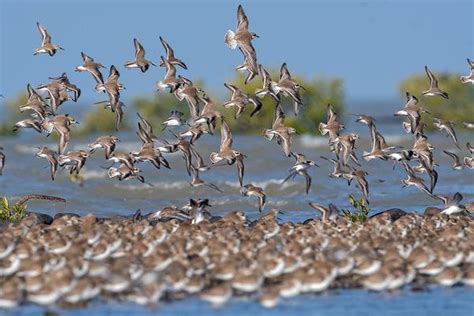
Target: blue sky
x=372, y=45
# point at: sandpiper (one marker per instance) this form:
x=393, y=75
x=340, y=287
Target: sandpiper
x=329, y=214
x=140, y=61
x=267, y=84
x=74, y=160
x=148, y=152
x=332, y=126
x=241, y=36
x=288, y=87
x=252, y=190
x=106, y=142
x=197, y=182
x=359, y=175
x=50, y=155
x=170, y=55
x=209, y=115
x=457, y=165
x=187, y=91
x=61, y=124
x=300, y=167
x=433, y=90
x=124, y=172
x=28, y=123
x=170, y=81
x=412, y=111
x=451, y=204
x=227, y=154
x=176, y=119
x=469, y=78
x=64, y=80
x=46, y=46
x=345, y=144
x=413, y=180
x=250, y=62
x=92, y=67
x=240, y=100
x=448, y=126
x=282, y=132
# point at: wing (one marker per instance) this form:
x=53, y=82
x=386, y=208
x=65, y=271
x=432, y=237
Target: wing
x=139, y=50
x=168, y=49
x=45, y=37
x=308, y=180
x=433, y=81
x=453, y=156
x=240, y=169
x=242, y=21
x=226, y=136
x=284, y=73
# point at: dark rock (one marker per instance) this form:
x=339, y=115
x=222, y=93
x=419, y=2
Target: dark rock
x=34, y=218
x=394, y=213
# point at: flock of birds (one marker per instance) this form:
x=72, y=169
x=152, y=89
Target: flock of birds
x=181, y=251
x=205, y=116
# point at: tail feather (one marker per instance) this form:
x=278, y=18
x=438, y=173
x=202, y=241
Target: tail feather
x=229, y=39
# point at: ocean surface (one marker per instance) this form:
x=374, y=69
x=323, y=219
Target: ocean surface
x=265, y=166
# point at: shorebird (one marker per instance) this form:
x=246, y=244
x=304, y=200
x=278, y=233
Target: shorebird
x=433, y=90
x=57, y=94
x=345, y=144
x=61, y=124
x=451, y=204
x=124, y=172
x=469, y=78
x=412, y=111
x=176, y=119
x=187, y=91
x=194, y=132
x=379, y=148
x=169, y=81
x=92, y=67
x=241, y=37
x=267, y=85
x=251, y=190
x=457, y=165
x=184, y=147
x=282, y=132
x=197, y=182
x=123, y=158
x=170, y=55
x=145, y=130
x=148, y=152
x=240, y=100
x=332, y=126
x=250, y=62
x=289, y=88
x=227, y=154
x=448, y=126
x=338, y=171
x=106, y=142
x=28, y=123
x=300, y=167
x=209, y=115
x=111, y=86
x=2, y=160
x=139, y=61
x=359, y=175
x=50, y=155
x=46, y=46
x=413, y=180
x=36, y=104
x=470, y=148
x=328, y=214
x=75, y=160
x=66, y=84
